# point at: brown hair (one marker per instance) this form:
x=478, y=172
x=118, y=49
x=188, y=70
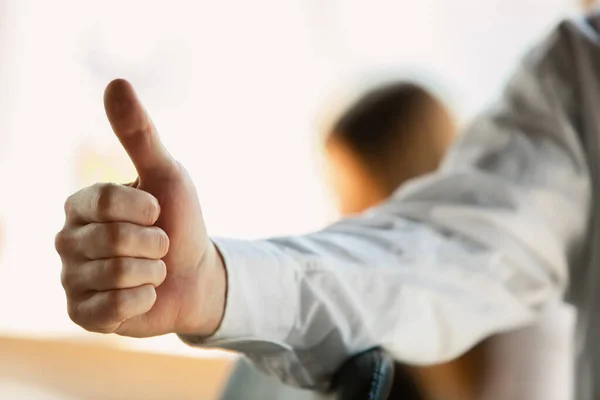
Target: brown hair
x=382, y=125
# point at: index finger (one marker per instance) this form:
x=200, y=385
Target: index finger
x=109, y=202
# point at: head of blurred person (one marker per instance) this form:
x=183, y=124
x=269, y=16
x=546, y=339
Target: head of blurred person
x=391, y=134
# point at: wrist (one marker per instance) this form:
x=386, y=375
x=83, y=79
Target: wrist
x=210, y=293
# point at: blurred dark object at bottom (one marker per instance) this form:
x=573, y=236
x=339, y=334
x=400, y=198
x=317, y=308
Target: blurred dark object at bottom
x=371, y=375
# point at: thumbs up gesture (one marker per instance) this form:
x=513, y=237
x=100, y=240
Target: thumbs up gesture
x=136, y=258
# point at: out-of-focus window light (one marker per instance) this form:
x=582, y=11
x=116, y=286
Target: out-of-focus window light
x=233, y=86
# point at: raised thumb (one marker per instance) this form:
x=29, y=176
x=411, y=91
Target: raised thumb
x=136, y=132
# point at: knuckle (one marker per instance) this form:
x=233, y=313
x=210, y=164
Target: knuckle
x=73, y=312
x=118, y=237
x=145, y=135
x=92, y=320
x=62, y=242
x=59, y=244
x=68, y=206
x=112, y=233
x=120, y=271
x=105, y=200
x=66, y=280
x=117, y=305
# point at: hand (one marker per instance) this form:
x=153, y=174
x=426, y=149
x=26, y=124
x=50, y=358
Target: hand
x=137, y=260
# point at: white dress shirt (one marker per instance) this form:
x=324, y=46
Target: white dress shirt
x=475, y=249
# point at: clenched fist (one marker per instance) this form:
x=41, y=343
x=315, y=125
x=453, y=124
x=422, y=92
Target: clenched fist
x=137, y=260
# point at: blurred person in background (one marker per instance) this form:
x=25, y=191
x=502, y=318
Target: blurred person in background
x=392, y=134
x=479, y=247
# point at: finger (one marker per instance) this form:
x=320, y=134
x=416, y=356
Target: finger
x=115, y=239
x=105, y=311
x=135, y=131
x=114, y=273
x=109, y=202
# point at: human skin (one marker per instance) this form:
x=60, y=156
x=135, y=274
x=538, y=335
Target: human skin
x=136, y=258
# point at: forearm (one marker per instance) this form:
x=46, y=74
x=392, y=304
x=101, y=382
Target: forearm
x=300, y=306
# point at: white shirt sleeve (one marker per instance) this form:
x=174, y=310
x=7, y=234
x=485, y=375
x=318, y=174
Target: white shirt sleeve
x=474, y=249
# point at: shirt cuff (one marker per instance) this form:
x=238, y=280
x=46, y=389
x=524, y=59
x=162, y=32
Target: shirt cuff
x=262, y=295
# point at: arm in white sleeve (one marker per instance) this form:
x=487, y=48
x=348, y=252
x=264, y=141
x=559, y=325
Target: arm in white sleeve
x=472, y=250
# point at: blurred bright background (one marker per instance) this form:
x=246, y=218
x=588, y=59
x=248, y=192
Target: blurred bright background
x=235, y=88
